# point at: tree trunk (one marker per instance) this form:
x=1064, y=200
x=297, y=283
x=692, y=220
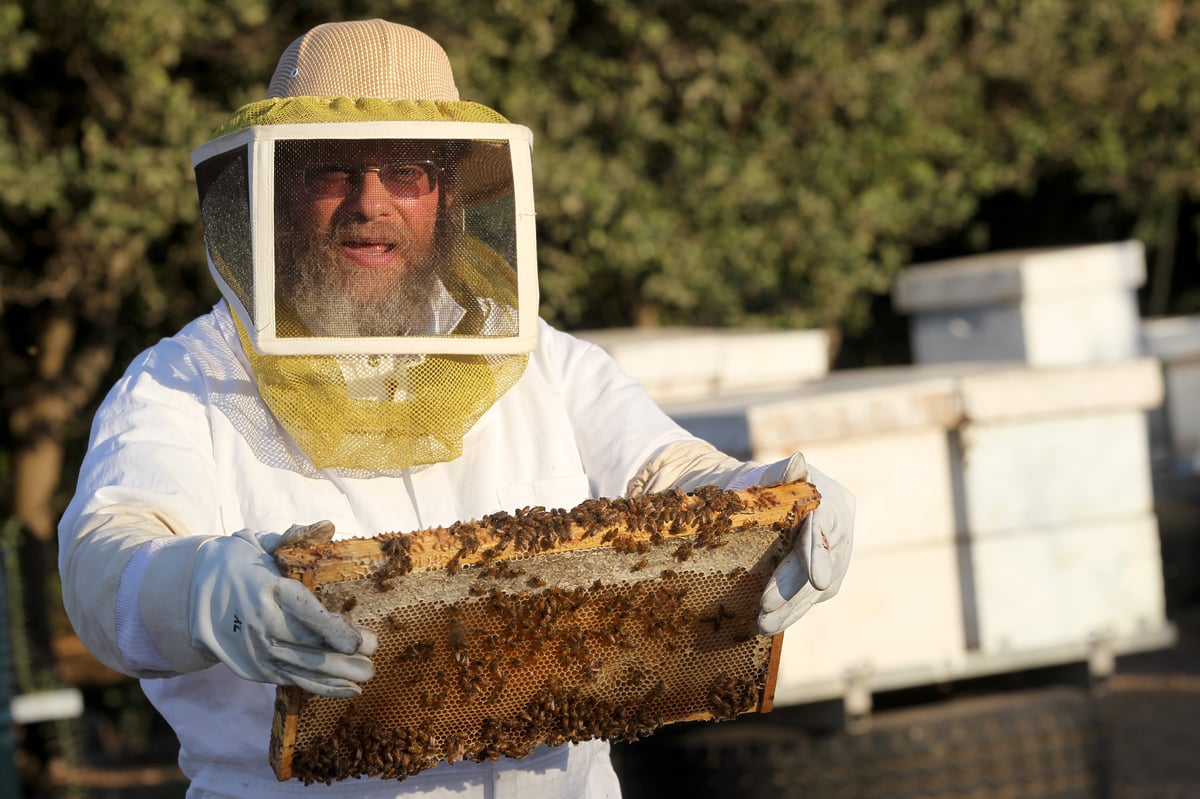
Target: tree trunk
x=65, y=383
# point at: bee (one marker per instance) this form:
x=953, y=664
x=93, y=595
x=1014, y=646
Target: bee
x=455, y=748
x=717, y=619
x=458, y=637
x=501, y=684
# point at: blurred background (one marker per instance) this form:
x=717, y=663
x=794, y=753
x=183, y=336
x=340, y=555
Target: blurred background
x=949, y=249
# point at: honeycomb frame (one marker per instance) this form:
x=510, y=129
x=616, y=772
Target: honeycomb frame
x=542, y=627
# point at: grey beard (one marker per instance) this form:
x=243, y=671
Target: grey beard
x=321, y=298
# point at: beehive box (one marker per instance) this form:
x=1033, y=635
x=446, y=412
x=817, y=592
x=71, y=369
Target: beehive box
x=1056, y=306
x=607, y=620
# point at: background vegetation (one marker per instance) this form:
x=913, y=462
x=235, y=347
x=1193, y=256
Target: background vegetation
x=715, y=162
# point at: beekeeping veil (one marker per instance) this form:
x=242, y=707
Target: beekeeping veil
x=373, y=235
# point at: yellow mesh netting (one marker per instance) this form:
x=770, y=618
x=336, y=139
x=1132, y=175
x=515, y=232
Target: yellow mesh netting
x=444, y=395
x=295, y=110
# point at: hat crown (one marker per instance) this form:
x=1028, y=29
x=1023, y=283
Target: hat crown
x=369, y=58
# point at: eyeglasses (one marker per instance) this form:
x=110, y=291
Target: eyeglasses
x=406, y=180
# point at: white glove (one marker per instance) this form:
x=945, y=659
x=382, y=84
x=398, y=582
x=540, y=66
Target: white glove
x=814, y=569
x=269, y=628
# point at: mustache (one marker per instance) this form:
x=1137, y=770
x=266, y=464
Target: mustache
x=392, y=233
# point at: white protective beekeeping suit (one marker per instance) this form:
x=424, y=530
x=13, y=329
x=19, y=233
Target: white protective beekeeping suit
x=276, y=410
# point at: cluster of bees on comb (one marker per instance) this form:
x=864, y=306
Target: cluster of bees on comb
x=544, y=627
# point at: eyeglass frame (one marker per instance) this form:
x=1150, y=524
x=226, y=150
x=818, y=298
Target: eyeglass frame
x=355, y=174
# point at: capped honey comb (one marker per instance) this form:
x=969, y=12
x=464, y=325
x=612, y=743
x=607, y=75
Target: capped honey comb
x=542, y=627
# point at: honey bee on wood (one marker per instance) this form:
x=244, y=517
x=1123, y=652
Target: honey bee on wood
x=348, y=603
x=506, y=570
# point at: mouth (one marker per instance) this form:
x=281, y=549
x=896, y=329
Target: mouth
x=370, y=253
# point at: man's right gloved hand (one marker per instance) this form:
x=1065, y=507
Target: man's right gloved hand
x=269, y=628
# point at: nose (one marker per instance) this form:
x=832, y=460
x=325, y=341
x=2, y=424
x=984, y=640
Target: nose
x=372, y=199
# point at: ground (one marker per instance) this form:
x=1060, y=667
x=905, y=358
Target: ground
x=1153, y=706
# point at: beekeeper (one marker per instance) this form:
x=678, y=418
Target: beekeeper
x=376, y=361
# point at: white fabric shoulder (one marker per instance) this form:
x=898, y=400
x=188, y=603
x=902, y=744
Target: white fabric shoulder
x=618, y=426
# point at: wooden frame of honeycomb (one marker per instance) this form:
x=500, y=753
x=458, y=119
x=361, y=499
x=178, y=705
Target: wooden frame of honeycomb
x=543, y=627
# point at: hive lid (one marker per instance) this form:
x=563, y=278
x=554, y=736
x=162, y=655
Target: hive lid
x=1014, y=276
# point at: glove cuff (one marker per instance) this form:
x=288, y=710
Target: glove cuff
x=163, y=601
x=788, y=470
x=687, y=465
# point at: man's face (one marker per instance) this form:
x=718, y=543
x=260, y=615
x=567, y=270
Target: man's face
x=357, y=232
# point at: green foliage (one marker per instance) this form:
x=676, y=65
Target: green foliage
x=777, y=162
x=95, y=128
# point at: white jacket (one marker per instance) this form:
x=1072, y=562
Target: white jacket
x=183, y=445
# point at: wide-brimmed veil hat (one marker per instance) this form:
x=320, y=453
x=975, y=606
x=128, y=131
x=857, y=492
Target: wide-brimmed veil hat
x=375, y=71
x=402, y=393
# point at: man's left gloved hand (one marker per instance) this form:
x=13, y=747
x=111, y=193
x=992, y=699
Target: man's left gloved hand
x=813, y=571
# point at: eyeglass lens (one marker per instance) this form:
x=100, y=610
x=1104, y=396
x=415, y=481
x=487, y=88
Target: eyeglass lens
x=405, y=179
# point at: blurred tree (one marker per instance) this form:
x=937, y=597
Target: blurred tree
x=1100, y=103
x=98, y=246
